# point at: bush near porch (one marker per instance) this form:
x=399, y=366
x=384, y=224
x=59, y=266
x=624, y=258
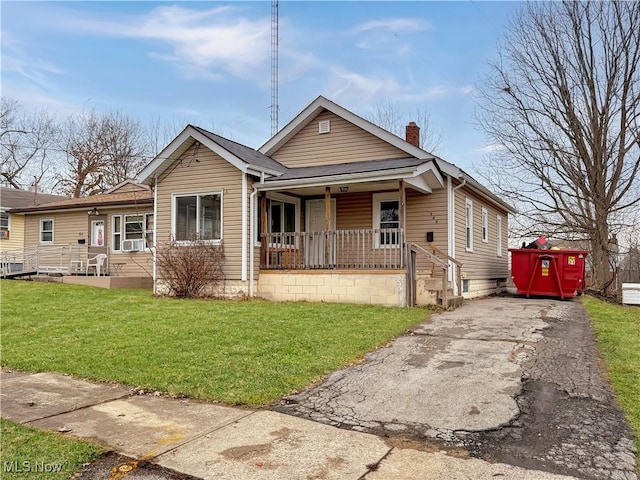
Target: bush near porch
x=247, y=353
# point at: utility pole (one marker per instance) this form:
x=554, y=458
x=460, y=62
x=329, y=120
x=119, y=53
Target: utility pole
x=274, y=67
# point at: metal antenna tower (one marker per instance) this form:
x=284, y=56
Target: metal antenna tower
x=274, y=67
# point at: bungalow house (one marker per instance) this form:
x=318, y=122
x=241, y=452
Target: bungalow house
x=12, y=225
x=62, y=236
x=332, y=208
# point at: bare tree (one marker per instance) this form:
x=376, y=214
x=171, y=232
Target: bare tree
x=388, y=116
x=562, y=105
x=101, y=150
x=26, y=140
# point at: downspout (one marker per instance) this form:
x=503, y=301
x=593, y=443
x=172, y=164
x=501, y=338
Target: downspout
x=155, y=232
x=244, y=228
x=452, y=229
x=252, y=239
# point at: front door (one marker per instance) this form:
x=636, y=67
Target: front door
x=320, y=248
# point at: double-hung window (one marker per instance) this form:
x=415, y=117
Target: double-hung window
x=5, y=225
x=197, y=217
x=46, y=230
x=386, y=219
x=136, y=228
x=469, y=224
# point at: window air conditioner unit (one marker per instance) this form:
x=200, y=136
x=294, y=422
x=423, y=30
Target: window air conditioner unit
x=133, y=245
x=4, y=234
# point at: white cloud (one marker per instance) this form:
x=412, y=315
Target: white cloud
x=17, y=60
x=347, y=83
x=397, y=25
x=206, y=42
x=493, y=147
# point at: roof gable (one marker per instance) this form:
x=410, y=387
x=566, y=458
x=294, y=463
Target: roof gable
x=243, y=158
x=321, y=103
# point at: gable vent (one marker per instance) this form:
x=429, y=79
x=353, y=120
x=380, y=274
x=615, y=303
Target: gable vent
x=324, y=126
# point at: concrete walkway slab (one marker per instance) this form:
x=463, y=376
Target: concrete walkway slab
x=272, y=446
x=143, y=427
x=24, y=398
x=404, y=464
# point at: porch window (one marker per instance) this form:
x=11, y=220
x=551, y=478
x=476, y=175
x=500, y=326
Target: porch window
x=46, y=230
x=386, y=211
x=469, y=224
x=499, y=236
x=198, y=217
x=485, y=225
x=137, y=227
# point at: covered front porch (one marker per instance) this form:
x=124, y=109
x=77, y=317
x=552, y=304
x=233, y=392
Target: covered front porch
x=340, y=242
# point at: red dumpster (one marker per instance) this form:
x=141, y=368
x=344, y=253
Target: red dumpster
x=553, y=273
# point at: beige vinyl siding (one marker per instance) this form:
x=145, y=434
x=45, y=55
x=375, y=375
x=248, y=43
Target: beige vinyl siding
x=16, y=234
x=354, y=211
x=136, y=264
x=344, y=143
x=427, y=213
x=209, y=174
x=69, y=227
x=483, y=262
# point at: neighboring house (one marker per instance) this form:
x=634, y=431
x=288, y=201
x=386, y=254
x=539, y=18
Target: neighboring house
x=119, y=223
x=12, y=225
x=332, y=208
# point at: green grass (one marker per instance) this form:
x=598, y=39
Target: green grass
x=249, y=353
x=31, y=453
x=617, y=330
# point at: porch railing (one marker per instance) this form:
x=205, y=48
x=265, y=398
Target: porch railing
x=337, y=249
x=63, y=258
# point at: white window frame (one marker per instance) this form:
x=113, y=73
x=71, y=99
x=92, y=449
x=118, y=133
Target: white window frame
x=41, y=231
x=499, y=235
x=378, y=198
x=174, y=217
x=468, y=224
x=123, y=231
x=485, y=225
x=279, y=197
x=8, y=216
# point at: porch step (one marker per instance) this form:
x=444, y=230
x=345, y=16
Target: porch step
x=453, y=302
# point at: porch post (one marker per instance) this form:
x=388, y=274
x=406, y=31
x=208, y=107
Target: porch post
x=263, y=231
x=401, y=210
x=327, y=222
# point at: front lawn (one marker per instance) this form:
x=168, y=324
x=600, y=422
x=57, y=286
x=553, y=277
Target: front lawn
x=36, y=454
x=249, y=353
x=617, y=330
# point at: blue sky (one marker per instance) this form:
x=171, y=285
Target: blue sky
x=208, y=63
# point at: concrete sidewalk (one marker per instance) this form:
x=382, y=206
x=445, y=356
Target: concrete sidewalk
x=212, y=441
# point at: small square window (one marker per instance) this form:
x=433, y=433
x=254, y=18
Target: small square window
x=465, y=286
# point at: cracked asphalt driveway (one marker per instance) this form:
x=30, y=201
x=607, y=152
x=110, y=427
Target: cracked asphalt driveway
x=489, y=377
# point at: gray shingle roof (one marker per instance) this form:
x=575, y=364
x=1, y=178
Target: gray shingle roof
x=348, y=168
x=14, y=198
x=246, y=154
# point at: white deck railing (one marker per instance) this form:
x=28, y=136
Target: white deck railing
x=64, y=259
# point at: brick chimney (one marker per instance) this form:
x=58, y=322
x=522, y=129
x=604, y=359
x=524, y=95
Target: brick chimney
x=413, y=134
